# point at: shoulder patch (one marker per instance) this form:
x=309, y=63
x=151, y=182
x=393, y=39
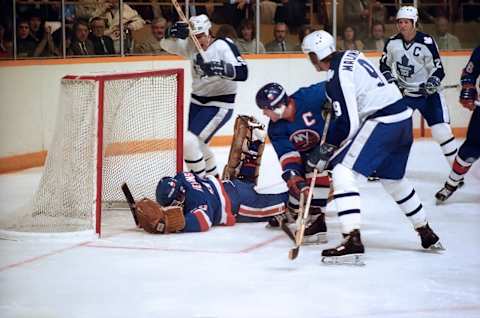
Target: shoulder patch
x=427, y=40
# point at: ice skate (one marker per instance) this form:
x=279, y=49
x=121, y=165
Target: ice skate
x=445, y=193
x=430, y=240
x=349, y=252
x=316, y=231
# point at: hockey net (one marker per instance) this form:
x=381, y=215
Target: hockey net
x=109, y=129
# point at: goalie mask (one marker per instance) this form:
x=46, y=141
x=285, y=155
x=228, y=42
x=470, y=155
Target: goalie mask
x=272, y=97
x=169, y=192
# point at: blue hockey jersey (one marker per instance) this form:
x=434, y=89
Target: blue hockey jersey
x=294, y=139
x=472, y=70
x=206, y=202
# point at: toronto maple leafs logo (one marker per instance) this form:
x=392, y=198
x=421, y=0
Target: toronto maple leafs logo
x=404, y=69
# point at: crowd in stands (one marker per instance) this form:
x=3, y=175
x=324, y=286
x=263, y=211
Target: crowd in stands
x=94, y=27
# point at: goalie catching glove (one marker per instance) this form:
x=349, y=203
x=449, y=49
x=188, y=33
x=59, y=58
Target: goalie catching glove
x=156, y=219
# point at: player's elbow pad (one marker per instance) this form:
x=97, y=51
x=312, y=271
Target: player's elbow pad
x=240, y=73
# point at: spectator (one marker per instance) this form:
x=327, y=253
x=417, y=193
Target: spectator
x=131, y=20
x=46, y=47
x=81, y=45
x=5, y=44
x=36, y=27
x=292, y=12
x=102, y=45
x=377, y=39
x=279, y=43
x=302, y=33
x=445, y=40
x=152, y=44
x=350, y=41
x=247, y=43
x=359, y=13
x=25, y=43
x=237, y=10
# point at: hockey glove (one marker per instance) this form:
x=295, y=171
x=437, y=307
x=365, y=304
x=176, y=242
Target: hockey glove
x=319, y=157
x=468, y=96
x=178, y=30
x=218, y=68
x=296, y=183
x=431, y=86
x=390, y=78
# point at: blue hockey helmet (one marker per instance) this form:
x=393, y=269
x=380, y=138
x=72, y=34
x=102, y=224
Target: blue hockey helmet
x=169, y=192
x=271, y=96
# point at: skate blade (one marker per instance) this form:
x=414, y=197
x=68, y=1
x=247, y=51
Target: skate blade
x=319, y=238
x=352, y=259
x=437, y=247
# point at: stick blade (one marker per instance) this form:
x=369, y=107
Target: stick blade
x=131, y=202
x=293, y=253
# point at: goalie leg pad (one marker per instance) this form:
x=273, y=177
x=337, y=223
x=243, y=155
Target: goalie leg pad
x=246, y=150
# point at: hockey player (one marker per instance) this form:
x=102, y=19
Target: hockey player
x=190, y=203
x=214, y=87
x=372, y=132
x=413, y=57
x=469, y=151
x=295, y=128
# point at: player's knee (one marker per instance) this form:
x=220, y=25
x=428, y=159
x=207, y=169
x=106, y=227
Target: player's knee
x=441, y=133
x=191, y=145
x=397, y=188
x=344, y=179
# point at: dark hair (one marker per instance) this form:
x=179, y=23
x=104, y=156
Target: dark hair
x=247, y=24
x=379, y=23
x=99, y=19
x=79, y=22
x=226, y=31
x=353, y=29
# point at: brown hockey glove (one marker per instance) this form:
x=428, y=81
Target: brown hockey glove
x=159, y=220
x=296, y=183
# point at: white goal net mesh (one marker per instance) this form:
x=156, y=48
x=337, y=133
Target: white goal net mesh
x=139, y=147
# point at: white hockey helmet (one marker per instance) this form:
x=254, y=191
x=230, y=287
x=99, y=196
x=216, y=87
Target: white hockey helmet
x=319, y=42
x=200, y=24
x=408, y=12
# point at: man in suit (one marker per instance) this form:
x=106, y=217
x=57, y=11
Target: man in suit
x=280, y=43
x=81, y=45
x=103, y=45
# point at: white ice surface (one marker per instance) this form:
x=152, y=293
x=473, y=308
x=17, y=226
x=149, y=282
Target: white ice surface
x=243, y=271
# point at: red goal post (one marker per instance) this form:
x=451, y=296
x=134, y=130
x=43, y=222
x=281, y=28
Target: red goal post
x=110, y=129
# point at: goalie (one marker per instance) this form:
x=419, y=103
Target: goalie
x=190, y=203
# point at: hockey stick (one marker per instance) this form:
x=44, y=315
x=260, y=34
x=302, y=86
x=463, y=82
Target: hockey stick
x=130, y=201
x=192, y=36
x=304, y=212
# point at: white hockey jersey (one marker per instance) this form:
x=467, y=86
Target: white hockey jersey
x=412, y=63
x=215, y=90
x=357, y=90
